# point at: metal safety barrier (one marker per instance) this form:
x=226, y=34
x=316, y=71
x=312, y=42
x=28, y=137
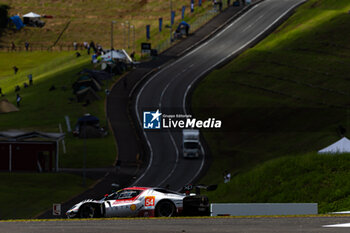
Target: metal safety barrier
x=262, y=209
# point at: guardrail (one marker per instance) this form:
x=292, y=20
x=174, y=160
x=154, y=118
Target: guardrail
x=262, y=209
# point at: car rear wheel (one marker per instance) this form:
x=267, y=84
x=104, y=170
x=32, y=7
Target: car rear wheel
x=196, y=206
x=87, y=211
x=165, y=209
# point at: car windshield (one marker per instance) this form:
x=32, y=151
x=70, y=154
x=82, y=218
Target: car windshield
x=123, y=194
x=166, y=191
x=191, y=145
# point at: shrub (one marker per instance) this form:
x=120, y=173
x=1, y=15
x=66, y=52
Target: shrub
x=3, y=15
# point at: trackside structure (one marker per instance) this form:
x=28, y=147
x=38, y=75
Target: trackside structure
x=29, y=151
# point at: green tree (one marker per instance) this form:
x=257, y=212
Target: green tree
x=3, y=15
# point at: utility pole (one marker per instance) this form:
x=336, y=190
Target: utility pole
x=171, y=26
x=112, y=24
x=124, y=35
x=128, y=34
x=111, y=35
x=133, y=37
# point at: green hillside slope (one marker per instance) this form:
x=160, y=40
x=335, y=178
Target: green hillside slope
x=288, y=95
x=88, y=20
x=310, y=178
x=43, y=110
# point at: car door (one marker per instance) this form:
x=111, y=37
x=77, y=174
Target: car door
x=124, y=204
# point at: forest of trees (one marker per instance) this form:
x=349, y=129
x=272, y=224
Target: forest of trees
x=3, y=15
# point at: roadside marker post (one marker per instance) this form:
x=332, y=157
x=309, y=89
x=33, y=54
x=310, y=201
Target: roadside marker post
x=56, y=210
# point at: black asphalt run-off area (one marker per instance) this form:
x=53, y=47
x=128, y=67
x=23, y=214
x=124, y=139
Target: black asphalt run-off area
x=180, y=225
x=161, y=162
x=168, y=90
x=119, y=105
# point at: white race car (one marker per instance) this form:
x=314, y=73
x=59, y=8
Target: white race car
x=142, y=202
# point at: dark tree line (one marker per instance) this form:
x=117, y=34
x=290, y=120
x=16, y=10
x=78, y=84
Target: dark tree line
x=4, y=15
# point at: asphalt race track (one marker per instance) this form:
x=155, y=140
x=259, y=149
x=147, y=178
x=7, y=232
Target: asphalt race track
x=168, y=89
x=181, y=225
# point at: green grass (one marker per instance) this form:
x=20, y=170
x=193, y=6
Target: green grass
x=100, y=152
x=44, y=110
x=31, y=61
x=23, y=195
x=311, y=178
x=91, y=20
x=287, y=95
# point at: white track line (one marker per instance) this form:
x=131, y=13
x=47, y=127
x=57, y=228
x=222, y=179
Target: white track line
x=260, y=17
x=338, y=225
x=236, y=51
x=169, y=133
x=176, y=162
x=154, y=76
x=189, y=87
x=144, y=133
x=213, y=66
x=245, y=29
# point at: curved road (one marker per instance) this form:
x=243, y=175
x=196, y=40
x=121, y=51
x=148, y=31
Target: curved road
x=168, y=89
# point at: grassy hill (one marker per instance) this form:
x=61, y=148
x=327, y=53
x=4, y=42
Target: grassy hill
x=23, y=195
x=91, y=20
x=288, y=95
x=310, y=178
x=44, y=110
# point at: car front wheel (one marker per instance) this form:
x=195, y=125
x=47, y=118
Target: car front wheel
x=87, y=211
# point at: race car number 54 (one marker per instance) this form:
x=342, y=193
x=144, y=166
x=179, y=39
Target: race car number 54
x=149, y=201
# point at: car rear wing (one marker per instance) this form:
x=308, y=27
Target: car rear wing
x=188, y=188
